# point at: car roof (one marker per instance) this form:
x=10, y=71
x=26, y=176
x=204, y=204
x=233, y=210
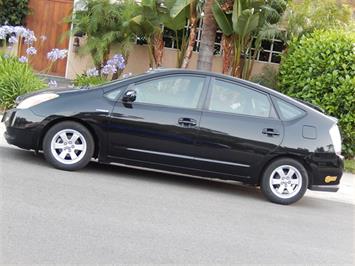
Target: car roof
x=171, y=71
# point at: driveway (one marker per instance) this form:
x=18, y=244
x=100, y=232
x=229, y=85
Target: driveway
x=112, y=214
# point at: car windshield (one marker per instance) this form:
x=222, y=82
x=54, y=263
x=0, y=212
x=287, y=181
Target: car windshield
x=109, y=83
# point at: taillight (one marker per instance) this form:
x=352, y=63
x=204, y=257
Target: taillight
x=336, y=138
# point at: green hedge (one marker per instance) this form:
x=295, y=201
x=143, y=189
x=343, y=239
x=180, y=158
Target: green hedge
x=13, y=12
x=16, y=79
x=320, y=68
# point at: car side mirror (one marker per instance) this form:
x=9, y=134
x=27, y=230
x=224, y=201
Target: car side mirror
x=129, y=96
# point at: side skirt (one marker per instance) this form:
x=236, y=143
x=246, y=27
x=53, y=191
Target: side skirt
x=169, y=169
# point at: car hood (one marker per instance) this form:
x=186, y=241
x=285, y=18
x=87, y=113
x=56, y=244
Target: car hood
x=58, y=90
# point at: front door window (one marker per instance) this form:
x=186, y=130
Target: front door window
x=174, y=91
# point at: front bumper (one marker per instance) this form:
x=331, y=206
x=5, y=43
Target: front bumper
x=23, y=128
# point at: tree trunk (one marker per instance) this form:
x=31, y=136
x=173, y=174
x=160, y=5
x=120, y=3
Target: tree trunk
x=209, y=29
x=192, y=37
x=227, y=46
x=150, y=51
x=252, y=63
x=158, y=48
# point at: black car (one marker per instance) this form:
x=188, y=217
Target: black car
x=191, y=122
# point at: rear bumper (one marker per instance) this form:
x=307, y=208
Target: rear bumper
x=326, y=173
x=327, y=188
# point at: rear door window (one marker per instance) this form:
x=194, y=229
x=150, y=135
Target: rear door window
x=232, y=98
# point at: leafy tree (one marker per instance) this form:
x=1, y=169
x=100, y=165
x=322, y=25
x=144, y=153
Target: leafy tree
x=303, y=17
x=104, y=23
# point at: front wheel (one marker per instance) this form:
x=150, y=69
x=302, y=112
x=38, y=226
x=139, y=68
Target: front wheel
x=284, y=181
x=68, y=146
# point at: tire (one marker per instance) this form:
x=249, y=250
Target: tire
x=64, y=152
x=284, y=181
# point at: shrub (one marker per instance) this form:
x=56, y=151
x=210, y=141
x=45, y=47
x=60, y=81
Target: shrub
x=320, y=68
x=267, y=78
x=16, y=78
x=84, y=80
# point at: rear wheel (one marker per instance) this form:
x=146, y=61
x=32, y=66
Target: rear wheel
x=68, y=145
x=284, y=181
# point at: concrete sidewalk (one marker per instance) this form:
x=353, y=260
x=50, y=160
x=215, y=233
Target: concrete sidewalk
x=346, y=193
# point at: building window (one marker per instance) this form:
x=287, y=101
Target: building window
x=170, y=42
x=270, y=50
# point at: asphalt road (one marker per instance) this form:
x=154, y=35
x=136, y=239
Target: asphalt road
x=112, y=214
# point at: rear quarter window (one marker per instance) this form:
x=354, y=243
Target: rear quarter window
x=288, y=111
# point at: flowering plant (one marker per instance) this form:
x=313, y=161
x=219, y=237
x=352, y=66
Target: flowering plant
x=95, y=76
x=16, y=35
x=16, y=78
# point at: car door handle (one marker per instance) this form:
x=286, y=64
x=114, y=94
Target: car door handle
x=270, y=132
x=187, y=122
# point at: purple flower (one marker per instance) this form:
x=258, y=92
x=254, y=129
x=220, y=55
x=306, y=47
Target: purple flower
x=52, y=84
x=56, y=54
x=31, y=51
x=6, y=56
x=7, y=29
x=19, y=30
x=23, y=59
x=2, y=33
x=109, y=69
x=13, y=40
x=118, y=61
x=92, y=72
x=29, y=37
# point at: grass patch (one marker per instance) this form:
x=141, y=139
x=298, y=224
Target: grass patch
x=349, y=166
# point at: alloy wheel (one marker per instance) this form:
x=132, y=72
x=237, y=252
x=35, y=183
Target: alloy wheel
x=285, y=181
x=68, y=146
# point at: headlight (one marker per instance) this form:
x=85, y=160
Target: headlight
x=36, y=99
x=336, y=138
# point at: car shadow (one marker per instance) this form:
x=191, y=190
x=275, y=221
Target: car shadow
x=195, y=182
x=234, y=188
x=116, y=171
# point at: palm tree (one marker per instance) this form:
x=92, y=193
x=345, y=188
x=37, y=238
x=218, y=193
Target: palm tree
x=194, y=8
x=248, y=20
x=208, y=37
x=147, y=24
